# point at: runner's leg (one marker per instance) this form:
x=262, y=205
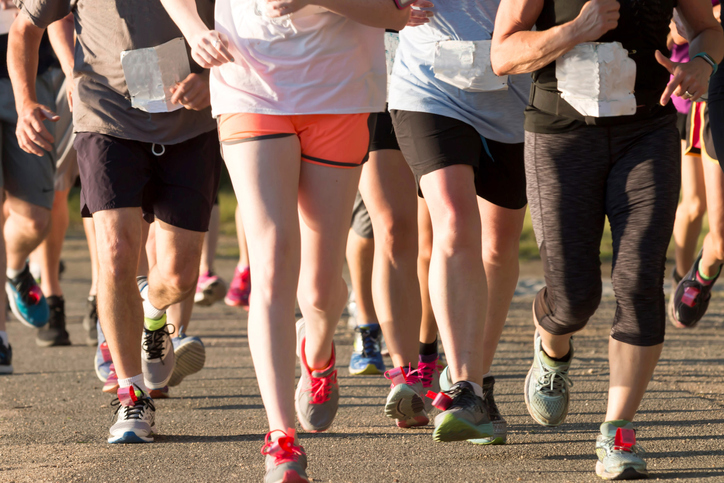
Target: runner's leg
x=360, y=254
x=428, y=326
x=690, y=212
x=713, y=255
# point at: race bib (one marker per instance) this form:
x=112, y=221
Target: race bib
x=597, y=79
x=466, y=65
x=151, y=73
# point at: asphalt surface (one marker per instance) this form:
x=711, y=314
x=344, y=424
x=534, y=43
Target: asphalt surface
x=54, y=419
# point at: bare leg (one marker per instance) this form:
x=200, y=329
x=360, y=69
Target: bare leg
x=211, y=241
x=47, y=254
x=713, y=257
x=632, y=367
x=90, y=234
x=690, y=212
x=360, y=258
x=25, y=228
x=428, y=326
x=241, y=237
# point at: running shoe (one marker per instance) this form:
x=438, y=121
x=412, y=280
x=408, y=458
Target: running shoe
x=691, y=299
x=404, y=402
x=429, y=376
x=240, y=289
x=464, y=415
x=89, y=320
x=317, y=396
x=103, y=359
x=110, y=386
x=546, y=387
x=27, y=300
x=209, y=289
x=162, y=393
x=157, y=357
x=500, y=425
x=366, y=356
x=617, y=453
x=286, y=462
x=54, y=334
x=136, y=417
x=6, y=358
x=190, y=356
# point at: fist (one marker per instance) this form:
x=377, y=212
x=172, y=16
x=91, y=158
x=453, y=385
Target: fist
x=596, y=18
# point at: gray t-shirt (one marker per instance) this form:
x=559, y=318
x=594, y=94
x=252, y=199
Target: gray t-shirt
x=496, y=115
x=105, y=28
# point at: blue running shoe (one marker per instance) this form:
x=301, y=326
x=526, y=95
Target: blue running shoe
x=27, y=300
x=190, y=357
x=367, y=356
x=6, y=358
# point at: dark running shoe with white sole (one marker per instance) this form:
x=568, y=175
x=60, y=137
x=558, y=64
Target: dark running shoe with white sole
x=464, y=415
x=691, y=299
x=6, y=358
x=54, y=333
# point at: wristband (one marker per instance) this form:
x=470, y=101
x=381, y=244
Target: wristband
x=403, y=4
x=708, y=60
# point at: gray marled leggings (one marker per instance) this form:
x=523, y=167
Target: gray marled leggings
x=631, y=174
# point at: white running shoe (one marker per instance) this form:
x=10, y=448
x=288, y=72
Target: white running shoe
x=136, y=417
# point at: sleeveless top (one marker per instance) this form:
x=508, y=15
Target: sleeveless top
x=642, y=30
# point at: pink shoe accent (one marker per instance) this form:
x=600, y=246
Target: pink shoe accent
x=427, y=372
x=321, y=386
x=400, y=375
x=111, y=385
x=625, y=439
x=105, y=352
x=127, y=396
x=35, y=294
x=283, y=449
x=240, y=289
x=440, y=400
x=204, y=280
x=690, y=295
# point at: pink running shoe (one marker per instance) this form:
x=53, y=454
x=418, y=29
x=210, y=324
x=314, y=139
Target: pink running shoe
x=209, y=289
x=285, y=461
x=111, y=385
x=404, y=403
x=240, y=289
x=430, y=378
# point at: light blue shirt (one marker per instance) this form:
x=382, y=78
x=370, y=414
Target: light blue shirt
x=496, y=115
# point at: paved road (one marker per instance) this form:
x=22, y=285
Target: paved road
x=54, y=417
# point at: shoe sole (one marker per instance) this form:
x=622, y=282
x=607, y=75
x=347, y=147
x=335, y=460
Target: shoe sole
x=6, y=370
x=500, y=436
x=405, y=405
x=52, y=343
x=369, y=370
x=129, y=437
x=290, y=476
x=190, y=359
x=451, y=428
x=16, y=312
x=210, y=295
x=627, y=474
x=110, y=389
x=158, y=394
x=235, y=303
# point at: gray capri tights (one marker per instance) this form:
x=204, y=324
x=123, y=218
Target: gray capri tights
x=631, y=174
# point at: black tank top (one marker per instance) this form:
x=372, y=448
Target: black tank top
x=642, y=29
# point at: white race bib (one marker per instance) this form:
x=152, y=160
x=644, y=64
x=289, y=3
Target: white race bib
x=466, y=65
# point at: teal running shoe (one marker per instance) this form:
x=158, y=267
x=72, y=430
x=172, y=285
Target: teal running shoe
x=27, y=300
x=617, y=453
x=546, y=387
x=367, y=355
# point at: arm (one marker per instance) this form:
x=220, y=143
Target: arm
x=61, y=36
x=517, y=50
x=22, y=60
x=374, y=13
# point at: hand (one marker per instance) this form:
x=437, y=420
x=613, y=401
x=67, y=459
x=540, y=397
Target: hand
x=418, y=16
x=192, y=92
x=279, y=8
x=596, y=18
x=30, y=131
x=7, y=5
x=210, y=48
x=690, y=79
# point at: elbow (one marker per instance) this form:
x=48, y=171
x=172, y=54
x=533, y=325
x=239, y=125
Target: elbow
x=500, y=67
x=399, y=19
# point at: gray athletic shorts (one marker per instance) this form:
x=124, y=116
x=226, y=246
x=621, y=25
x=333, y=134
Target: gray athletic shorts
x=361, y=223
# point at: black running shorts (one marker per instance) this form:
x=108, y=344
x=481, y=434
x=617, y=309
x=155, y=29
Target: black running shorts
x=383, y=135
x=178, y=185
x=430, y=142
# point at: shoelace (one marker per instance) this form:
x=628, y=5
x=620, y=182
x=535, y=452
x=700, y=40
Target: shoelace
x=370, y=343
x=322, y=387
x=552, y=380
x=427, y=372
x=283, y=449
x=153, y=341
x=27, y=288
x=463, y=397
x=398, y=375
x=137, y=411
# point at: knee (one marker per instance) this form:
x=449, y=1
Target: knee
x=179, y=276
x=458, y=232
x=276, y=265
x=396, y=236
x=694, y=208
x=568, y=310
x=323, y=295
x=119, y=258
x=35, y=223
x=500, y=251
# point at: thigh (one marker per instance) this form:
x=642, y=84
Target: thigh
x=501, y=227
x=501, y=175
x=714, y=199
x=185, y=181
x=27, y=177
x=180, y=247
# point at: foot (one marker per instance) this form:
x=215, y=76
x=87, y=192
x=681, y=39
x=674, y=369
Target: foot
x=102, y=360
x=110, y=386
x=190, y=356
x=286, y=461
x=404, y=402
x=90, y=319
x=6, y=358
x=429, y=376
x=136, y=417
x=500, y=425
x=54, y=334
x=317, y=396
x=691, y=298
x=162, y=393
x=464, y=415
x=617, y=453
x=547, y=387
x=209, y=289
x=157, y=357
x=366, y=356
x=240, y=289
x=27, y=300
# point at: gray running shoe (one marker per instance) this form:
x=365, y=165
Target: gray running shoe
x=286, y=462
x=404, y=403
x=157, y=357
x=617, y=453
x=190, y=355
x=546, y=387
x=317, y=396
x=136, y=421
x=464, y=416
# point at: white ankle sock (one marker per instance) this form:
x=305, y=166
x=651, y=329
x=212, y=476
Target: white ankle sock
x=134, y=381
x=149, y=311
x=4, y=337
x=13, y=273
x=478, y=389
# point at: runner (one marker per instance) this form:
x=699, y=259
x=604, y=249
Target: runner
x=582, y=167
x=293, y=108
x=150, y=156
x=465, y=149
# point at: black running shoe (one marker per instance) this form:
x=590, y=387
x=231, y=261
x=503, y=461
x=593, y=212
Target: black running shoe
x=90, y=319
x=500, y=425
x=465, y=417
x=6, y=358
x=691, y=298
x=54, y=334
